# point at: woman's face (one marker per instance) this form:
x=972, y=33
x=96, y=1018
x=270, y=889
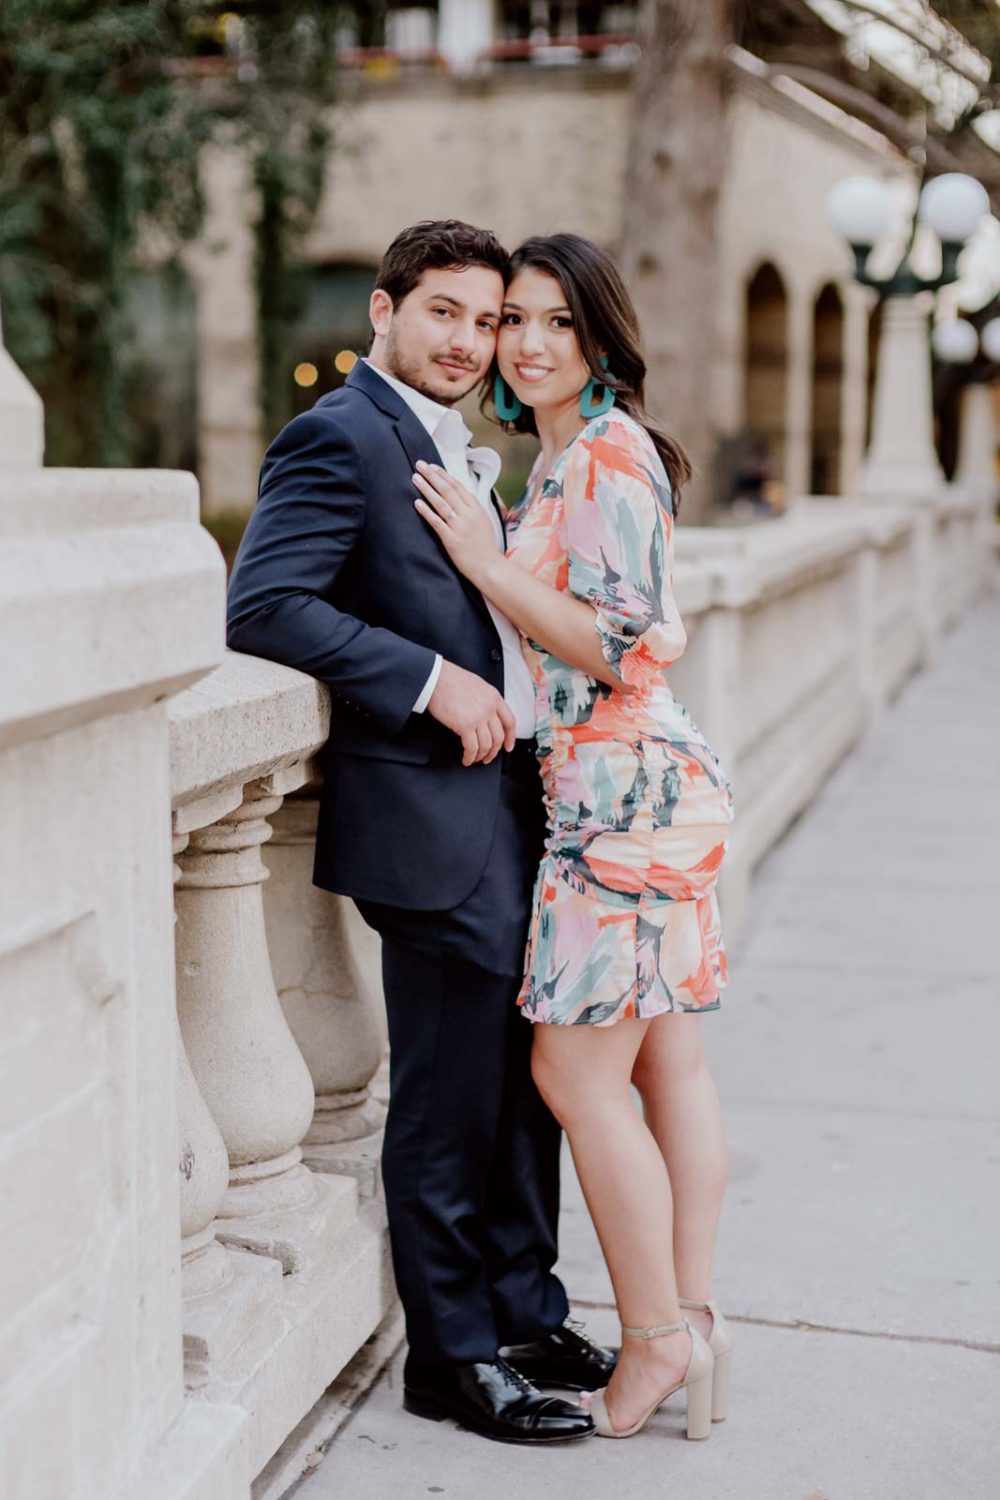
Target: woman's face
x=537, y=348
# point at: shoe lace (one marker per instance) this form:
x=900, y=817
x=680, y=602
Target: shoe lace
x=581, y=1332
x=516, y=1378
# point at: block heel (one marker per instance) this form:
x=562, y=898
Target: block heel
x=720, y=1386
x=720, y=1341
x=697, y=1382
x=699, y=1408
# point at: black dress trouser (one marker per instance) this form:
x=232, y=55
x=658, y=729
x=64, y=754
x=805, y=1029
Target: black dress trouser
x=470, y=1161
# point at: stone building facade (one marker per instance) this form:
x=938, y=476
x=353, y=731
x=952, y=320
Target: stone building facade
x=534, y=148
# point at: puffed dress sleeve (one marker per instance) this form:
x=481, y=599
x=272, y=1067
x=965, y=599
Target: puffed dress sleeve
x=619, y=543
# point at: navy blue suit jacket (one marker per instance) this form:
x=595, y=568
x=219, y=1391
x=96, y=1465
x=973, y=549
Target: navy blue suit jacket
x=338, y=576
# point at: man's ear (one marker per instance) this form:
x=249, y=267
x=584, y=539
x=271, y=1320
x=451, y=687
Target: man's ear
x=380, y=311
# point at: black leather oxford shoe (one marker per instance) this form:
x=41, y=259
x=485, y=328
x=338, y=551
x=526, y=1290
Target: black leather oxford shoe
x=566, y=1357
x=492, y=1399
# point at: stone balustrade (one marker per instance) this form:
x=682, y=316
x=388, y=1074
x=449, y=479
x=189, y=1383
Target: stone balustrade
x=801, y=630
x=284, y=1262
x=195, y=1245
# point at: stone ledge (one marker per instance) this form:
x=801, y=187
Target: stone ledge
x=246, y=719
x=307, y=1444
x=201, y=1457
x=308, y=1335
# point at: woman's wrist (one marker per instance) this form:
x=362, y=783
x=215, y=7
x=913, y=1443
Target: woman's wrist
x=490, y=574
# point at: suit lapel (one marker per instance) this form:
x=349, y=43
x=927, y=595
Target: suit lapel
x=417, y=443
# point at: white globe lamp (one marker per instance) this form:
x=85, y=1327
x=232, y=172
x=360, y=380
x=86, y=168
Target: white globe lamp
x=954, y=205
x=955, y=342
x=860, y=209
x=989, y=338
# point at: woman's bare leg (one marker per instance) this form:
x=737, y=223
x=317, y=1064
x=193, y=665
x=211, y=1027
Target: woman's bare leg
x=684, y=1115
x=583, y=1073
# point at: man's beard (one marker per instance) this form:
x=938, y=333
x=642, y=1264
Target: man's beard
x=408, y=371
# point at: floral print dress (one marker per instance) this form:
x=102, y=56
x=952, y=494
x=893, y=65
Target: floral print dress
x=625, y=920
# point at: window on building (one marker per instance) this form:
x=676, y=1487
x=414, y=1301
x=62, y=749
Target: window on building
x=766, y=369
x=827, y=386
x=332, y=331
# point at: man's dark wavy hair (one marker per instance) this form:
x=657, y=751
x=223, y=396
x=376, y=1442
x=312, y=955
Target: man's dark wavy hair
x=437, y=245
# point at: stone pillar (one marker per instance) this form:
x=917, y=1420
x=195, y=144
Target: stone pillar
x=465, y=31
x=857, y=301
x=976, y=474
x=220, y=263
x=327, y=969
x=251, y=1074
x=901, y=462
x=410, y=29
x=798, y=391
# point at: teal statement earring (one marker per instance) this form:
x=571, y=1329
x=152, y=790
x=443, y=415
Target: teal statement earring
x=507, y=405
x=592, y=402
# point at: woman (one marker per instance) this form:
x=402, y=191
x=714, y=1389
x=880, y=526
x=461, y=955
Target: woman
x=624, y=947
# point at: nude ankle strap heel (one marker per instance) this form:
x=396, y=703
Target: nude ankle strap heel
x=720, y=1341
x=697, y=1383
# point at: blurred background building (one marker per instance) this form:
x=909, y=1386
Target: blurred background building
x=520, y=116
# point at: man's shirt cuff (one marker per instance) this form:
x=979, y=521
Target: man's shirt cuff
x=429, y=686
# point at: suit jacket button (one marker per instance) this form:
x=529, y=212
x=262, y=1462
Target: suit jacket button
x=496, y=654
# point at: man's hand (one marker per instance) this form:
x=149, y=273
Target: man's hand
x=476, y=712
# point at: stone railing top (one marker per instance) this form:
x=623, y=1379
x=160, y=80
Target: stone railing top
x=248, y=719
x=692, y=588
x=882, y=523
x=750, y=563
x=252, y=720
x=60, y=500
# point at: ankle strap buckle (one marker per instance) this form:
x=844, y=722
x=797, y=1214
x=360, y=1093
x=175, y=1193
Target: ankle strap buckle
x=655, y=1333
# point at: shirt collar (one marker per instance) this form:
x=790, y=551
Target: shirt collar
x=429, y=413
x=433, y=416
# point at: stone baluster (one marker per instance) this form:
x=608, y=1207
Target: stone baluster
x=327, y=969
x=244, y=1057
x=204, y=1169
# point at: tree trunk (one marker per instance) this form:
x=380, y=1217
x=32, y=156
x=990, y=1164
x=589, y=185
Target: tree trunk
x=670, y=258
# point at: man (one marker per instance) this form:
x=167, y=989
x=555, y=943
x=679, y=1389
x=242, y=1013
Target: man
x=431, y=818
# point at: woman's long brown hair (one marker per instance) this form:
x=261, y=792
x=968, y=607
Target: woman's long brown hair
x=604, y=321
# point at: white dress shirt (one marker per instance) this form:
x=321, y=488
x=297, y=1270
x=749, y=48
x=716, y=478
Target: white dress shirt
x=478, y=469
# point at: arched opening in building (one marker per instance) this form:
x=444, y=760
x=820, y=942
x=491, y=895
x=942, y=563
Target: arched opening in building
x=332, y=330
x=827, y=388
x=766, y=370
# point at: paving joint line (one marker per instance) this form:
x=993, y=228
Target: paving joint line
x=880, y=1111
x=802, y=1325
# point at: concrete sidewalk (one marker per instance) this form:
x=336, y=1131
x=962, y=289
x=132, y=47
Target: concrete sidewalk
x=858, y=1057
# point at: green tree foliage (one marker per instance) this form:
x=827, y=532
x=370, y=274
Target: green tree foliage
x=104, y=111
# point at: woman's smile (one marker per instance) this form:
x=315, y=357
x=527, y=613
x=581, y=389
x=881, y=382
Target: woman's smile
x=531, y=372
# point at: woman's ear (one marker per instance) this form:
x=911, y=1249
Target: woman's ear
x=380, y=311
